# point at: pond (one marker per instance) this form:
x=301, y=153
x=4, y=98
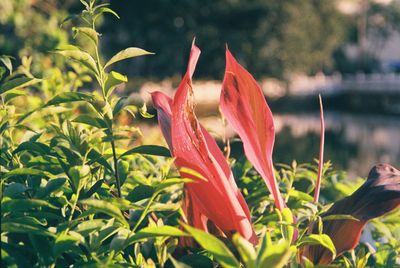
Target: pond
x=352, y=142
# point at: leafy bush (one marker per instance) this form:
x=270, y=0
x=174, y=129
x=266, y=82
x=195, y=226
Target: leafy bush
x=75, y=191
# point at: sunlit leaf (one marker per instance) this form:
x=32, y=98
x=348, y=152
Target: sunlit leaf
x=113, y=79
x=26, y=171
x=246, y=251
x=318, y=239
x=89, y=32
x=18, y=83
x=82, y=57
x=14, y=205
x=11, y=94
x=15, y=227
x=107, y=208
x=64, y=243
x=130, y=52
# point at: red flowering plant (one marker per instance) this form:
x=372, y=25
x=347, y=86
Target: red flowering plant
x=80, y=186
x=213, y=203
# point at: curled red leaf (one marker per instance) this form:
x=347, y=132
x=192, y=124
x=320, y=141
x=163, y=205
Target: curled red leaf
x=379, y=195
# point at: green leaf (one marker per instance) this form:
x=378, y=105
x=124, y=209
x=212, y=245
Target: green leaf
x=103, y=9
x=95, y=187
x=87, y=227
x=339, y=217
x=67, y=97
x=18, y=83
x=14, y=227
x=26, y=171
x=178, y=264
x=278, y=256
x=143, y=112
x=11, y=94
x=121, y=103
x=213, y=245
x=318, y=239
x=13, y=205
x=95, y=156
x=89, y=32
x=300, y=195
x=33, y=146
x=14, y=189
x=197, y=260
x=6, y=60
x=68, y=18
x=106, y=208
x=79, y=175
x=91, y=121
x=246, y=251
x=130, y=52
x=52, y=186
x=82, y=57
x=2, y=72
x=64, y=243
x=148, y=149
x=169, y=182
x=288, y=229
x=113, y=79
x=154, y=231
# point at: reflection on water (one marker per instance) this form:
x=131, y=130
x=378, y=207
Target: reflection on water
x=353, y=142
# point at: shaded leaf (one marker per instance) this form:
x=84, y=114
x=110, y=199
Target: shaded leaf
x=213, y=245
x=91, y=121
x=148, y=149
x=14, y=188
x=67, y=97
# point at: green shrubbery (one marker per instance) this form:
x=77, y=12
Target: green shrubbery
x=75, y=189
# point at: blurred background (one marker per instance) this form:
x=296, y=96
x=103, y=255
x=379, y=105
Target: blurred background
x=346, y=50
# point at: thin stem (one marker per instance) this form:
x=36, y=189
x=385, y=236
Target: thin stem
x=73, y=207
x=118, y=183
x=144, y=213
x=321, y=152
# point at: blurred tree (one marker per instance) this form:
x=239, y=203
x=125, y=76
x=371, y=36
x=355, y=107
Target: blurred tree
x=272, y=37
x=32, y=28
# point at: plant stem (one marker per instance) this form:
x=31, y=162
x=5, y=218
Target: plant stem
x=118, y=183
x=321, y=152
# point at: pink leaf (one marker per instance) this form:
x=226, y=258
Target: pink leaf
x=244, y=106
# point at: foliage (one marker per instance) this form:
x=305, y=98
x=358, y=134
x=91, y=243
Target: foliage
x=77, y=189
x=274, y=37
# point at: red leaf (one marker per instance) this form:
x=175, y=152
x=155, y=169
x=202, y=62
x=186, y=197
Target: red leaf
x=379, y=195
x=244, y=106
x=217, y=198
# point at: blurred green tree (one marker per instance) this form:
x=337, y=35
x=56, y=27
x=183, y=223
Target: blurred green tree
x=272, y=37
